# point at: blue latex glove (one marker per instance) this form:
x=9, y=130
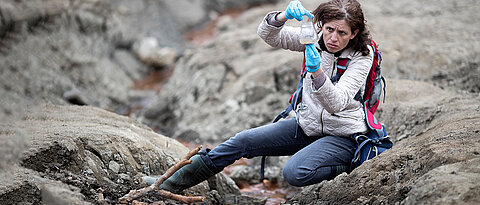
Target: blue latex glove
x=312, y=58
x=297, y=11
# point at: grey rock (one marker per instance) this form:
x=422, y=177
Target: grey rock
x=253, y=87
x=87, y=147
x=448, y=184
x=114, y=166
x=149, y=52
x=48, y=48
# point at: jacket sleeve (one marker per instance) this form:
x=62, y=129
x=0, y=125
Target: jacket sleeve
x=285, y=37
x=336, y=98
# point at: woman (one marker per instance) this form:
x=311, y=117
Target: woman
x=319, y=138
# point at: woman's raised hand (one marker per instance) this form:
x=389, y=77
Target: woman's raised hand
x=295, y=10
x=312, y=58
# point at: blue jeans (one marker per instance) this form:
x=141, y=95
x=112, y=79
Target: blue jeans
x=314, y=158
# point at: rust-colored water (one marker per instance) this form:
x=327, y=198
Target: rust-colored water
x=208, y=32
x=274, y=194
x=197, y=37
x=154, y=80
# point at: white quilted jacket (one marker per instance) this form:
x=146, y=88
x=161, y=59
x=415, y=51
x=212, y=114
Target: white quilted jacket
x=331, y=109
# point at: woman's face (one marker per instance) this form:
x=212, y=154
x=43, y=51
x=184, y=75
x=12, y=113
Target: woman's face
x=337, y=34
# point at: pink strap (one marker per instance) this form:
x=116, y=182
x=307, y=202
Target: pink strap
x=372, y=122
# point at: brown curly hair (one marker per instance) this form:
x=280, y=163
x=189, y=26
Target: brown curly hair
x=351, y=12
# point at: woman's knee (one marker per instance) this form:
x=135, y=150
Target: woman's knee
x=302, y=176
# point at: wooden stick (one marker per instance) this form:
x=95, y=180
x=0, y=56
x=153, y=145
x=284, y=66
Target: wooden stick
x=180, y=198
x=185, y=161
x=133, y=194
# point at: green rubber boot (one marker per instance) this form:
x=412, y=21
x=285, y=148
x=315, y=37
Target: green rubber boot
x=186, y=177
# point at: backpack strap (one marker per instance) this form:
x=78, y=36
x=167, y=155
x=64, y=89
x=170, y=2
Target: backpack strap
x=295, y=98
x=371, y=120
x=342, y=65
x=370, y=145
x=262, y=168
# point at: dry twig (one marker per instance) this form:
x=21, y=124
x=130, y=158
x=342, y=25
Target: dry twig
x=180, y=198
x=186, y=160
x=134, y=194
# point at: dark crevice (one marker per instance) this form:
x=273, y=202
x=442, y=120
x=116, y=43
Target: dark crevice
x=76, y=101
x=276, y=81
x=228, y=69
x=195, y=94
x=95, y=152
x=82, y=143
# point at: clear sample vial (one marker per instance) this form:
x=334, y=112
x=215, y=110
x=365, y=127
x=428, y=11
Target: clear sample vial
x=308, y=34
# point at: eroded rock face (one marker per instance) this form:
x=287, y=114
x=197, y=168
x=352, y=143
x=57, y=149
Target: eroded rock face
x=411, y=106
x=64, y=53
x=87, y=148
x=80, y=52
x=448, y=184
x=236, y=75
x=26, y=186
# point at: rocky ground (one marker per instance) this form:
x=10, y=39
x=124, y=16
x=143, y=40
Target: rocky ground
x=75, y=150
x=98, y=53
